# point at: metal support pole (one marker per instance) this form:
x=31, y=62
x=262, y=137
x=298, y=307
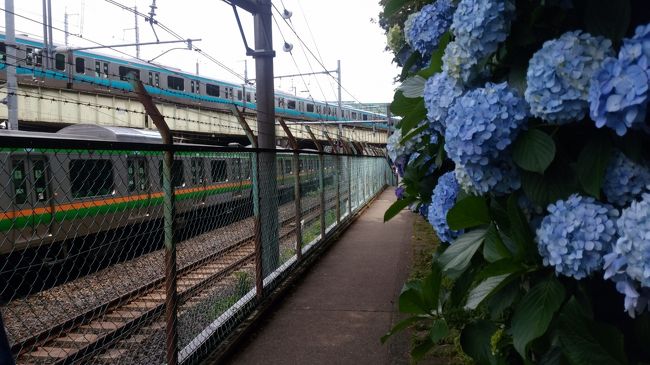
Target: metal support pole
x=11, y=61
x=349, y=186
x=338, y=190
x=46, y=42
x=169, y=214
x=295, y=167
x=264, y=55
x=66, y=27
x=340, y=98
x=50, y=47
x=137, y=33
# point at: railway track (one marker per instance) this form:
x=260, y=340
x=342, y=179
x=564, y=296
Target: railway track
x=95, y=331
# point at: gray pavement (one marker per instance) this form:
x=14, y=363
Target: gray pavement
x=346, y=301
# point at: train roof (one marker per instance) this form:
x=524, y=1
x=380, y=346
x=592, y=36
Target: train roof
x=112, y=134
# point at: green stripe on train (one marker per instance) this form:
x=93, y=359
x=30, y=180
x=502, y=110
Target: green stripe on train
x=60, y=216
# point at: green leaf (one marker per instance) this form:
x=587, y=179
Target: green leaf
x=457, y=257
x=592, y=164
x=420, y=350
x=402, y=105
x=534, y=151
x=475, y=341
x=402, y=325
x=413, y=87
x=414, y=133
x=535, y=312
x=397, y=207
x=469, y=212
x=414, y=117
x=435, y=65
x=439, y=330
x=393, y=6
x=520, y=230
x=410, y=299
x=558, y=182
x=505, y=266
x=501, y=300
x=483, y=290
x=493, y=248
x=431, y=288
x=585, y=342
x=608, y=18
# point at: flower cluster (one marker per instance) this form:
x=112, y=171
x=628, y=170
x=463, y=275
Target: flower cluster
x=481, y=125
x=559, y=74
x=628, y=264
x=618, y=96
x=478, y=26
x=425, y=28
x=440, y=91
x=396, y=149
x=395, y=38
x=443, y=198
x=576, y=234
x=624, y=180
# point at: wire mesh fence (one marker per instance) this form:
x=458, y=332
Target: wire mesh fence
x=147, y=254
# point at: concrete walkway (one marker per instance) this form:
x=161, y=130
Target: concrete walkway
x=346, y=302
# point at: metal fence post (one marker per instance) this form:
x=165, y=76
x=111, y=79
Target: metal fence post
x=350, y=186
x=338, y=189
x=295, y=162
x=321, y=184
x=169, y=215
x=259, y=273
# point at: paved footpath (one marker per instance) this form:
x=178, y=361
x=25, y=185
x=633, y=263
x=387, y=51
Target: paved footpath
x=346, y=301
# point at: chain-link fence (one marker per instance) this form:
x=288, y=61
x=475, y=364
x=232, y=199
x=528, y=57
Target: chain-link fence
x=145, y=253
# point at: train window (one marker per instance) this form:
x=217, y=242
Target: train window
x=197, y=168
x=192, y=86
x=196, y=86
x=80, y=65
x=59, y=61
x=287, y=167
x=105, y=69
x=156, y=79
x=365, y=117
x=175, y=83
x=291, y=104
x=150, y=78
x=138, y=178
x=91, y=178
x=178, y=173
x=29, y=58
x=98, y=68
x=354, y=115
x=33, y=57
x=219, y=170
x=3, y=52
x=310, y=108
x=246, y=169
x=20, y=181
x=40, y=180
x=127, y=72
x=239, y=94
x=212, y=90
x=248, y=97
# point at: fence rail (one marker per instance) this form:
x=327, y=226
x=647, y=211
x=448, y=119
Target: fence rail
x=109, y=253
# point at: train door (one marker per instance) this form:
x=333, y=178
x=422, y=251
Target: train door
x=32, y=198
x=139, y=188
x=197, y=169
x=237, y=176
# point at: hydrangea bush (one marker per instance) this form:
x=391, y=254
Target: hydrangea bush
x=527, y=152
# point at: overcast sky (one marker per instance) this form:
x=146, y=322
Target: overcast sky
x=340, y=29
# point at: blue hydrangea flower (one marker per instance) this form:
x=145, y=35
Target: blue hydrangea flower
x=424, y=210
x=625, y=180
x=481, y=125
x=440, y=91
x=399, y=192
x=478, y=26
x=559, y=73
x=576, y=234
x=424, y=29
x=395, y=149
x=628, y=264
x=618, y=95
x=443, y=199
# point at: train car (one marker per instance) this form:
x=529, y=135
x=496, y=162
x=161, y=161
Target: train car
x=98, y=73
x=50, y=196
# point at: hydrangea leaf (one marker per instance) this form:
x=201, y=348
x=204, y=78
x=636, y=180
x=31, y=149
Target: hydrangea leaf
x=494, y=249
x=475, y=341
x=535, y=312
x=457, y=257
x=592, y=164
x=400, y=326
x=608, y=18
x=402, y=105
x=410, y=299
x=558, y=182
x=413, y=87
x=520, y=231
x=585, y=342
x=469, y=212
x=534, y=151
x=439, y=330
x=483, y=290
x=396, y=207
x=392, y=7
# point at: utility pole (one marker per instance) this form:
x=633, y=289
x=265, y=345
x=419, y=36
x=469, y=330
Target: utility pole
x=338, y=72
x=50, y=53
x=137, y=33
x=46, y=42
x=12, y=82
x=65, y=26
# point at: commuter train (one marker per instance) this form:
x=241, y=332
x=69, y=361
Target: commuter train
x=53, y=195
x=97, y=73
